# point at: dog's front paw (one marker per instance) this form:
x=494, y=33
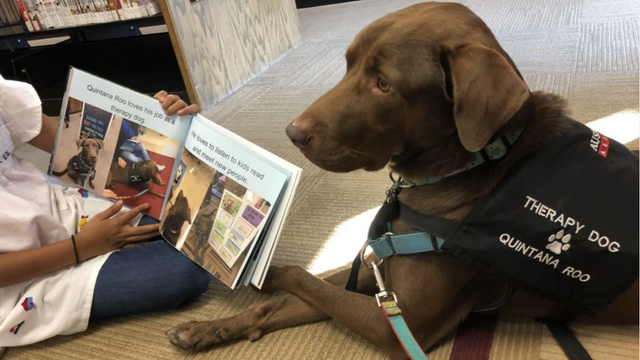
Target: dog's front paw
x=199, y=335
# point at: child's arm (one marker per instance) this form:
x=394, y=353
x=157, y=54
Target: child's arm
x=102, y=234
x=44, y=141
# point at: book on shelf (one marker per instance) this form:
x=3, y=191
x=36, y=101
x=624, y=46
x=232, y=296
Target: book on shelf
x=221, y=200
x=55, y=14
x=9, y=14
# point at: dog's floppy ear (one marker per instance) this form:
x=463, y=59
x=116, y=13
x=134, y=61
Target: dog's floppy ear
x=100, y=144
x=487, y=91
x=79, y=142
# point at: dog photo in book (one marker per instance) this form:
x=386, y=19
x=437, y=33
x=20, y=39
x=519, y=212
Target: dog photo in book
x=81, y=157
x=185, y=199
x=137, y=172
x=101, y=151
x=217, y=235
x=430, y=94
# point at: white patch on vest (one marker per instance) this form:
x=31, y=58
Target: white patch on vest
x=569, y=223
x=559, y=242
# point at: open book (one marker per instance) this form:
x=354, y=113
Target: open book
x=221, y=199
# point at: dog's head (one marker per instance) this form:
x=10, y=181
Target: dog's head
x=421, y=82
x=90, y=149
x=149, y=171
x=177, y=215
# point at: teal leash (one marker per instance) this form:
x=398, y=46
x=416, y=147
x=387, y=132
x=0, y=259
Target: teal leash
x=388, y=302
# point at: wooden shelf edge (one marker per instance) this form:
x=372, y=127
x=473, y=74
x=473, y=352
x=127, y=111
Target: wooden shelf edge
x=177, y=48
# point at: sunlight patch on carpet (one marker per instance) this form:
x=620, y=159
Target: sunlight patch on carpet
x=623, y=126
x=344, y=243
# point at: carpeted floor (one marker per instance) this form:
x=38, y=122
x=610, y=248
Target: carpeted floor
x=585, y=50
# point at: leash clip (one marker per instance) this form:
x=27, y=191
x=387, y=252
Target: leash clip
x=383, y=294
x=374, y=266
x=394, y=189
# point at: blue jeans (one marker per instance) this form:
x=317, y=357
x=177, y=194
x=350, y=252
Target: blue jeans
x=149, y=277
x=130, y=148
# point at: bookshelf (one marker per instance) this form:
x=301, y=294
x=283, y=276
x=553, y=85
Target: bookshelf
x=42, y=58
x=198, y=50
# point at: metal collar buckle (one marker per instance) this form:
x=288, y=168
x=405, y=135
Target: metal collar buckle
x=394, y=189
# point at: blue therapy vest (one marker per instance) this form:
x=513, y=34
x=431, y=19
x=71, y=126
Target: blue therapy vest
x=563, y=223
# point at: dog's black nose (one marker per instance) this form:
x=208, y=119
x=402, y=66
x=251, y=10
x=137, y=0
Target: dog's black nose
x=298, y=136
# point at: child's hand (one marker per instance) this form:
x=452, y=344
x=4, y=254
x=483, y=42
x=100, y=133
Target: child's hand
x=109, y=194
x=122, y=163
x=172, y=104
x=106, y=232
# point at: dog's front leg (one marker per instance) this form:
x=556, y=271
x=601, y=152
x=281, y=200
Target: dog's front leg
x=358, y=312
x=279, y=312
x=435, y=292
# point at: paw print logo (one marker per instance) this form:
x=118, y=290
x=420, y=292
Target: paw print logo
x=559, y=242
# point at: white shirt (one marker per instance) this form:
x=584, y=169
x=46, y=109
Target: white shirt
x=34, y=213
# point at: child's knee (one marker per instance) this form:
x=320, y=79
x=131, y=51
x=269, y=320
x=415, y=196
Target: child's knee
x=193, y=280
x=201, y=281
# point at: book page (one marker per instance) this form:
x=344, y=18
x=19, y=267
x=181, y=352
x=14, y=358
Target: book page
x=260, y=264
x=256, y=268
x=221, y=198
x=116, y=142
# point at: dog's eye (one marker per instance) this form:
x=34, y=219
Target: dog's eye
x=383, y=85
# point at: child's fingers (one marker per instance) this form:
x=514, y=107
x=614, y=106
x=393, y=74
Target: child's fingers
x=180, y=104
x=151, y=230
x=172, y=104
x=138, y=238
x=110, y=211
x=191, y=109
x=110, y=194
x=169, y=101
x=160, y=95
x=126, y=217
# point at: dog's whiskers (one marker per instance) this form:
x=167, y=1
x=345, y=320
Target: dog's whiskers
x=355, y=153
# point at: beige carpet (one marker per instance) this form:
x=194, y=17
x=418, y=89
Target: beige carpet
x=586, y=50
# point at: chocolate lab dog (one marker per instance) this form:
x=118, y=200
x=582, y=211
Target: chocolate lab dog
x=425, y=87
x=139, y=175
x=177, y=215
x=82, y=167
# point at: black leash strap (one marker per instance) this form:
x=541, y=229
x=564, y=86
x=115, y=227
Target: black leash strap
x=380, y=224
x=352, y=283
x=436, y=226
x=567, y=340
